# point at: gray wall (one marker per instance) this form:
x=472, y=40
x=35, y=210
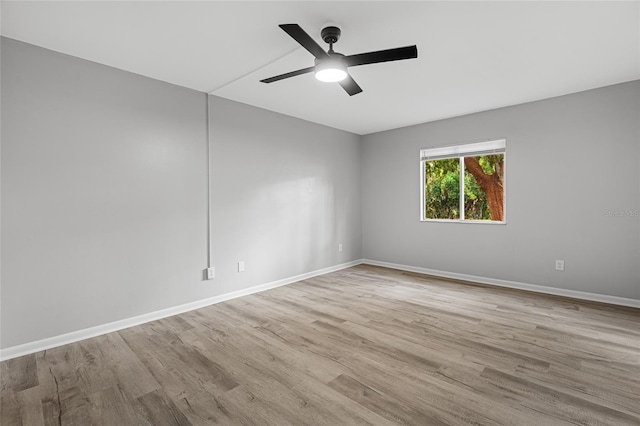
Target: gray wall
x=104, y=195
x=569, y=159
x=285, y=193
x=104, y=191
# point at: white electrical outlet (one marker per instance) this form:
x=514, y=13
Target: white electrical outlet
x=211, y=273
x=339, y=247
x=559, y=265
x=241, y=266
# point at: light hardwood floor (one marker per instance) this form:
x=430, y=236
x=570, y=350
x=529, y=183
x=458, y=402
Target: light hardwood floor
x=362, y=346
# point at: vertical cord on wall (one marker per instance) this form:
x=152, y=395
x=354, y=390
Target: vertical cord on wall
x=209, y=251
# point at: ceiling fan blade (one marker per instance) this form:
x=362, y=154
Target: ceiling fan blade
x=397, y=54
x=305, y=40
x=287, y=75
x=350, y=86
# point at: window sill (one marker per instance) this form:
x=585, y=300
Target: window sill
x=476, y=222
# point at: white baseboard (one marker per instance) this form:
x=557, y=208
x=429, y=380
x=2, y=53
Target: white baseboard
x=74, y=336
x=614, y=300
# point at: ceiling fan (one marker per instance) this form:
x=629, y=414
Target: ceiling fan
x=332, y=66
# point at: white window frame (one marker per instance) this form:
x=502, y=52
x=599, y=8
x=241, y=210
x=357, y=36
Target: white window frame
x=497, y=146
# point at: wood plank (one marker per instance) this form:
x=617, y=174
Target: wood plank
x=19, y=373
x=383, y=405
x=112, y=406
x=31, y=407
x=159, y=410
x=10, y=409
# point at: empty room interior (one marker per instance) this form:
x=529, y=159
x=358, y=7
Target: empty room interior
x=320, y=213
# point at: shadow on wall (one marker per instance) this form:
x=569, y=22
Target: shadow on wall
x=294, y=223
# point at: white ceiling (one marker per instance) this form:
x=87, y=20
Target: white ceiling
x=472, y=56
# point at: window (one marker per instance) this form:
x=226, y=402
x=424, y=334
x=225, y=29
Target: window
x=464, y=183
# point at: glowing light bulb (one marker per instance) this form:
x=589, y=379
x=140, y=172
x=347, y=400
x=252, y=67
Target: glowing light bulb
x=331, y=71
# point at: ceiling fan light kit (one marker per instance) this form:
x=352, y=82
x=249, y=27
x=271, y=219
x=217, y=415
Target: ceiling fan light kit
x=332, y=66
x=330, y=71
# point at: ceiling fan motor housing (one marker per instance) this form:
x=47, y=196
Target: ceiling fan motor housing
x=330, y=34
x=333, y=57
